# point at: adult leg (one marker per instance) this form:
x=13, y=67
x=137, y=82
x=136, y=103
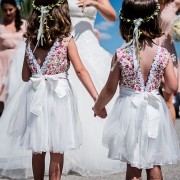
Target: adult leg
x=38, y=164
x=56, y=166
x=133, y=173
x=154, y=174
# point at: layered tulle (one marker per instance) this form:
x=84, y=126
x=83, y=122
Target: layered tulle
x=139, y=130
x=46, y=119
x=41, y=117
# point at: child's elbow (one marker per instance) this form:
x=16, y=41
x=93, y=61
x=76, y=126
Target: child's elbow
x=173, y=89
x=25, y=79
x=81, y=71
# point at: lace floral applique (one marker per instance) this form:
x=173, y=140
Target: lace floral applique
x=55, y=62
x=134, y=79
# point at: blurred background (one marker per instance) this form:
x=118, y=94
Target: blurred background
x=109, y=34
x=110, y=37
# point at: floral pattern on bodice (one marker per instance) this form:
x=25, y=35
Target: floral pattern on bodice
x=55, y=62
x=134, y=79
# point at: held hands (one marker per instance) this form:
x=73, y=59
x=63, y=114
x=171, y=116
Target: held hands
x=86, y=3
x=102, y=113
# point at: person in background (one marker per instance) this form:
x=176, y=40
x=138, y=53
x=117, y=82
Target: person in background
x=12, y=28
x=169, y=11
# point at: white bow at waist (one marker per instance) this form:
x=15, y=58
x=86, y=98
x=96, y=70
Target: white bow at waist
x=40, y=84
x=147, y=103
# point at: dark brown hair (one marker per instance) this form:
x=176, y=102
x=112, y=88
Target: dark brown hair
x=164, y=2
x=59, y=25
x=18, y=21
x=134, y=9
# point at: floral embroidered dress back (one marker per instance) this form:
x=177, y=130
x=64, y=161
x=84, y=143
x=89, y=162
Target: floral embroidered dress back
x=48, y=118
x=134, y=79
x=55, y=62
x=146, y=136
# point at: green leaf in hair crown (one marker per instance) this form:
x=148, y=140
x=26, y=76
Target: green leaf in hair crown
x=48, y=7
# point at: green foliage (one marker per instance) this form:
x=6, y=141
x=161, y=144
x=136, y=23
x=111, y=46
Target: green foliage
x=26, y=8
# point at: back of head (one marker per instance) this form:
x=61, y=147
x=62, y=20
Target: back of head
x=56, y=21
x=147, y=11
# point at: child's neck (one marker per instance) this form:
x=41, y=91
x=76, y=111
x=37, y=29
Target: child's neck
x=147, y=42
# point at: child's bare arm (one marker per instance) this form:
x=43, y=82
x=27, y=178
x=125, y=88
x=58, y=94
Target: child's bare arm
x=81, y=71
x=170, y=80
x=26, y=73
x=109, y=89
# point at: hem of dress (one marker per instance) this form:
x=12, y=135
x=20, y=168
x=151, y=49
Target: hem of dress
x=144, y=167
x=119, y=157
x=51, y=150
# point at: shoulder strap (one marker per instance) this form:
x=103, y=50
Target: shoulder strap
x=116, y=59
x=66, y=40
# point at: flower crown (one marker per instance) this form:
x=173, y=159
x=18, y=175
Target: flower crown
x=146, y=19
x=44, y=10
x=48, y=7
x=137, y=32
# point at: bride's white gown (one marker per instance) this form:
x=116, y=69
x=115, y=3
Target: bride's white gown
x=91, y=159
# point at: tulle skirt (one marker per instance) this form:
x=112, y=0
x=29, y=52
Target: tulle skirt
x=42, y=117
x=47, y=119
x=139, y=130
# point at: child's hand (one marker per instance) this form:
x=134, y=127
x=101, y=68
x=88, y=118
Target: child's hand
x=85, y=3
x=101, y=113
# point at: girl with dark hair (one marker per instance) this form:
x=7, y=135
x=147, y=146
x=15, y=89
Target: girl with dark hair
x=12, y=28
x=46, y=117
x=139, y=130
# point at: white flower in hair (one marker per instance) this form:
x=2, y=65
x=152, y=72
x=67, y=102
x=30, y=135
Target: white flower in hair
x=175, y=29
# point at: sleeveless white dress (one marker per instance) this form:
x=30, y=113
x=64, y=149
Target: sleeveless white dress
x=92, y=158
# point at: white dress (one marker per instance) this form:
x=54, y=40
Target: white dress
x=43, y=115
x=92, y=158
x=139, y=129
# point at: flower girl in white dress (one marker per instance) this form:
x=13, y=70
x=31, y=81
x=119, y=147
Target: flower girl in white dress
x=139, y=130
x=46, y=118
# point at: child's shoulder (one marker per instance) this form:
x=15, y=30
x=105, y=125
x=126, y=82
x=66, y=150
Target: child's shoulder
x=66, y=39
x=122, y=51
x=163, y=52
x=163, y=56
